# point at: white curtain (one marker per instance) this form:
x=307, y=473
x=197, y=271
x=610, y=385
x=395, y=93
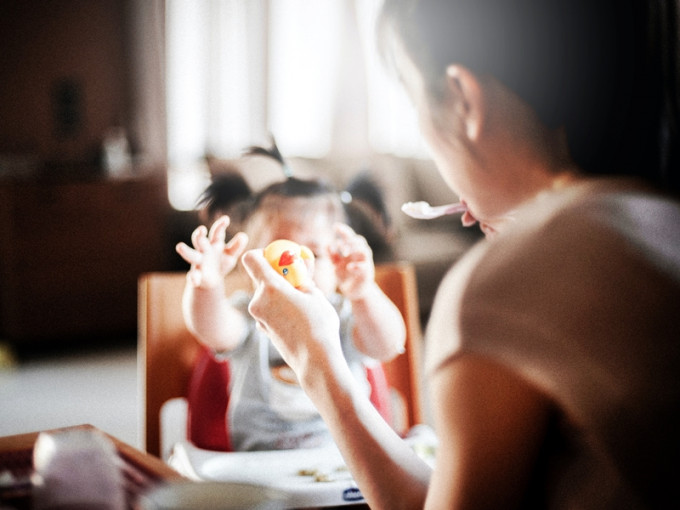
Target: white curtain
x=392, y=122
x=304, y=70
x=148, y=68
x=305, y=44
x=216, y=86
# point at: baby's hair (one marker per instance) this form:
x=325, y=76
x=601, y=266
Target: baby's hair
x=367, y=213
x=294, y=200
x=318, y=192
x=365, y=188
x=224, y=192
x=272, y=152
x=291, y=187
x=294, y=187
x=361, y=204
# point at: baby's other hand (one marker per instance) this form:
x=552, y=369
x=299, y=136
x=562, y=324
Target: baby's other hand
x=210, y=258
x=353, y=260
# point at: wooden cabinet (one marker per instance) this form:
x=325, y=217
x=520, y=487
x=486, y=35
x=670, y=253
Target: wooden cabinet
x=71, y=254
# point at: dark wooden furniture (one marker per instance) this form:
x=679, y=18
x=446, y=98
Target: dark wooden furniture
x=71, y=253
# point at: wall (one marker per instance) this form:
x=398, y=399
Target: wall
x=64, y=77
x=65, y=80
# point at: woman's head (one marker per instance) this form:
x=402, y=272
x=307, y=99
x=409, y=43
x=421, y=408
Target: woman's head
x=551, y=53
x=587, y=66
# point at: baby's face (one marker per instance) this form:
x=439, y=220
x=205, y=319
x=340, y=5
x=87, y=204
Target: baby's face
x=312, y=229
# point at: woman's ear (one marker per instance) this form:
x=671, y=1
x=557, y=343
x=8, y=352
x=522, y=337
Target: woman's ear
x=467, y=91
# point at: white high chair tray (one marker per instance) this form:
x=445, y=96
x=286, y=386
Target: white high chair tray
x=313, y=477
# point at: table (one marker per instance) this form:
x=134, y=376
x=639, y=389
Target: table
x=141, y=471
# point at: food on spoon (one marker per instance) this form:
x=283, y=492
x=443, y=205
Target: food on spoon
x=289, y=259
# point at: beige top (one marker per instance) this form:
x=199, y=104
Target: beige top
x=581, y=297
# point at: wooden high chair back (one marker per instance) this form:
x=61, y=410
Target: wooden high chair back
x=167, y=352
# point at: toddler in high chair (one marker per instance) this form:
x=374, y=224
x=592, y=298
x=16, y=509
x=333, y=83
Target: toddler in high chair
x=267, y=408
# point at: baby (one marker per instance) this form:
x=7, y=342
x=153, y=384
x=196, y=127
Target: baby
x=267, y=408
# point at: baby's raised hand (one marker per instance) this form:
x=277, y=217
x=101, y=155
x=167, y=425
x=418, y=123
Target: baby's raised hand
x=211, y=260
x=353, y=261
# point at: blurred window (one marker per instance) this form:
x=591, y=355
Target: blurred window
x=305, y=70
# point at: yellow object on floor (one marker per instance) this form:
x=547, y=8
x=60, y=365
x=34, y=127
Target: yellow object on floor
x=7, y=358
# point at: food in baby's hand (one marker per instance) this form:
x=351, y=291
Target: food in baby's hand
x=288, y=259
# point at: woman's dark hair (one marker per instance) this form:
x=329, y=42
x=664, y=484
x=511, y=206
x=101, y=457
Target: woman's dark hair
x=605, y=70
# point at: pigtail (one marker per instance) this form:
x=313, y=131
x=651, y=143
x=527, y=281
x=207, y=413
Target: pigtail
x=271, y=152
x=228, y=193
x=224, y=191
x=367, y=213
x=365, y=188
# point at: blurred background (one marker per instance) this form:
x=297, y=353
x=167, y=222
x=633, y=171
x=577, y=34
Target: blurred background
x=109, y=114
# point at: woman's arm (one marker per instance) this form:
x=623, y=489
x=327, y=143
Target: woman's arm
x=388, y=472
x=304, y=327
x=490, y=426
x=490, y=422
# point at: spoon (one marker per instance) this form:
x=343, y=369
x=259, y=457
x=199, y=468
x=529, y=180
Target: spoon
x=424, y=211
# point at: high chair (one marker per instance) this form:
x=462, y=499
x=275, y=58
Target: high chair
x=168, y=354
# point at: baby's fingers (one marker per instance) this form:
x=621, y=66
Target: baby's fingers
x=189, y=254
x=218, y=230
x=349, y=239
x=199, y=237
x=237, y=245
x=344, y=230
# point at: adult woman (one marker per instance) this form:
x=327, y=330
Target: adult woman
x=552, y=357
